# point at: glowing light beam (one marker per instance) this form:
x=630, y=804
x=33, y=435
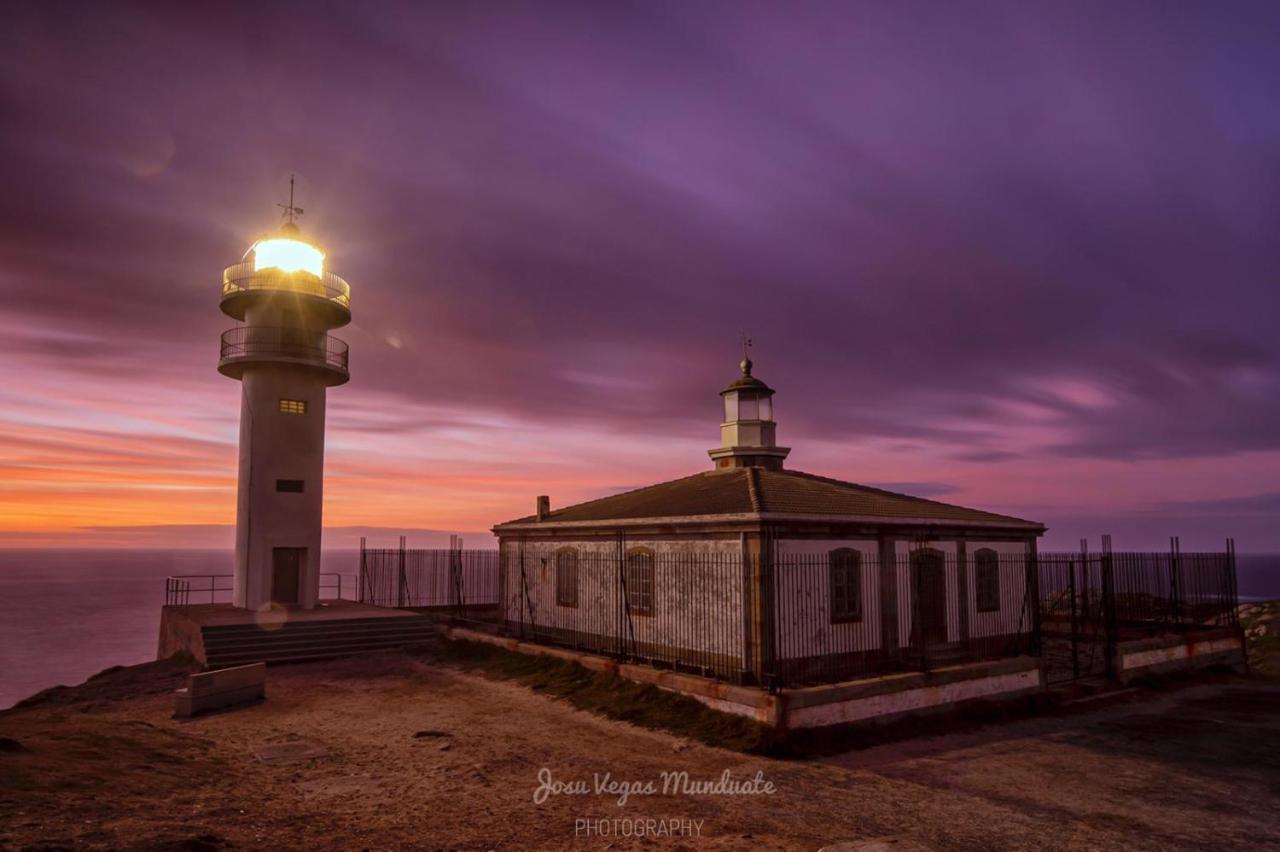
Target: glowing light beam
x=288, y=256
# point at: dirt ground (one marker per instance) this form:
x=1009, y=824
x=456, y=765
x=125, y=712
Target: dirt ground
x=105, y=766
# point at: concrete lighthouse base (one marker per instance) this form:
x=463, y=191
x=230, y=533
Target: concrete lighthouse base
x=219, y=635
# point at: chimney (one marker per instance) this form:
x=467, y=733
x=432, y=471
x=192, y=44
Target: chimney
x=544, y=506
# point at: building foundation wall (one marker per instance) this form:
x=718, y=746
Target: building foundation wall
x=872, y=700
x=1170, y=653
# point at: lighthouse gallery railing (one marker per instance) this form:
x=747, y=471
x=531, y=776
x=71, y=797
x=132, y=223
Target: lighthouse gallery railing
x=248, y=341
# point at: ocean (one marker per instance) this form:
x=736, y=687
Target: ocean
x=68, y=614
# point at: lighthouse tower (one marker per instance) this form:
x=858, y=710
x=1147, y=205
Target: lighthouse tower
x=285, y=302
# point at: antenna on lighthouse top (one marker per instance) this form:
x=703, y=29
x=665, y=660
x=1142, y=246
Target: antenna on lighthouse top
x=289, y=209
x=746, y=355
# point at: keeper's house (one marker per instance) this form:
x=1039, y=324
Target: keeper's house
x=761, y=574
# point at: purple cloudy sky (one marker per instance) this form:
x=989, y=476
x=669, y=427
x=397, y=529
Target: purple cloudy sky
x=1021, y=256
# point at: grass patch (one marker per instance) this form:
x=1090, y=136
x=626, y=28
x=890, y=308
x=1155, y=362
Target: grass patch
x=612, y=696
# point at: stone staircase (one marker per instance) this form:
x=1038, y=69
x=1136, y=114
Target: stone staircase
x=239, y=644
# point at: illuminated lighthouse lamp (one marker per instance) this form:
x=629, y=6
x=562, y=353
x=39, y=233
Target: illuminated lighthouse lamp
x=287, y=255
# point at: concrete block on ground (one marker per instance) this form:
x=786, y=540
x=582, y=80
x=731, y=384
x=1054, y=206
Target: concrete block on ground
x=221, y=688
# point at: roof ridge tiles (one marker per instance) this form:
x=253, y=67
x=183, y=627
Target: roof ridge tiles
x=753, y=489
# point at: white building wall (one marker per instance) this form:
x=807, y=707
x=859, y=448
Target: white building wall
x=1012, y=588
x=696, y=607
x=803, y=600
x=702, y=609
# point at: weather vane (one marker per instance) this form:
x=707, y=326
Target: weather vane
x=289, y=209
x=746, y=345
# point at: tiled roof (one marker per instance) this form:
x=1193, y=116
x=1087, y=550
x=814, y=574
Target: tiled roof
x=755, y=490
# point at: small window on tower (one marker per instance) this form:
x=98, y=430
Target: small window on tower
x=292, y=485
x=293, y=406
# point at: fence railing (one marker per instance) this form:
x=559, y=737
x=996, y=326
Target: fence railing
x=193, y=589
x=429, y=579
x=189, y=589
x=242, y=277
x=793, y=619
x=690, y=612
x=845, y=613
x=247, y=342
x=814, y=617
x=1089, y=602
x=1174, y=589
x=332, y=581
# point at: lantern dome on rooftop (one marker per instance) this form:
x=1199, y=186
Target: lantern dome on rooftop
x=748, y=435
x=746, y=381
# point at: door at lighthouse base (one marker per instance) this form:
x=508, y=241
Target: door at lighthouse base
x=286, y=574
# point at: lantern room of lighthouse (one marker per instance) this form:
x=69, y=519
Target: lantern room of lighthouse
x=286, y=302
x=748, y=435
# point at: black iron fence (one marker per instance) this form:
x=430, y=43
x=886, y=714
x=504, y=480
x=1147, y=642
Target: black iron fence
x=1090, y=601
x=457, y=580
x=845, y=613
x=813, y=617
x=792, y=619
x=690, y=612
x=1175, y=589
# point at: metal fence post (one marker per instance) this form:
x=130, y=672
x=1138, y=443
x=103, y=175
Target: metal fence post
x=1109, y=606
x=1033, y=593
x=400, y=593
x=1075, y=627
x=523, y=590
x=620, y=595
x=1175, y=580
x=1231, y=585
x=363, y=579
x=764, y=589
x=918, y=627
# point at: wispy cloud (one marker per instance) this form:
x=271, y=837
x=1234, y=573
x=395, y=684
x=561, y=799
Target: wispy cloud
x=987, y=247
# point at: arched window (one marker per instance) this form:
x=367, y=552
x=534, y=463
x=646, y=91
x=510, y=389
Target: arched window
x=845, y=567
x=986, y=580
x=638, y=578
x=567, y=577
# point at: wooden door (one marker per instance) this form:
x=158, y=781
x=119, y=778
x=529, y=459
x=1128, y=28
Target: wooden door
x=930, y=581
x=286, y=574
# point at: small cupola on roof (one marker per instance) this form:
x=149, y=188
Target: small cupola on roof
x=748, y=434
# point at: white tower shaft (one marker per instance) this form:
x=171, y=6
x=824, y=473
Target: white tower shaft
x=286, y=361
